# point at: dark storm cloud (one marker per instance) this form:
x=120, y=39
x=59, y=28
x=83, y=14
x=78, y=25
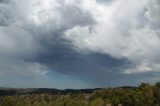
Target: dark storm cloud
x=93, y=67
x=61, y=57
x=58, y=54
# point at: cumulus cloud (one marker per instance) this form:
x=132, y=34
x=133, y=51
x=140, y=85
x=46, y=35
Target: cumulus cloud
x=124, y=31
x=95, y=39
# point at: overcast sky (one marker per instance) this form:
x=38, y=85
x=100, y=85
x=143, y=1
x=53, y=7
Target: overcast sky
x=79, y=43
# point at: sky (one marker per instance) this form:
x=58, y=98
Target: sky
x=79, y=43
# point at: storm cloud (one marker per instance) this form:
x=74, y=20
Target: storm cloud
x=102, y=42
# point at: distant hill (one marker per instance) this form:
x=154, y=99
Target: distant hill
x=13, y=91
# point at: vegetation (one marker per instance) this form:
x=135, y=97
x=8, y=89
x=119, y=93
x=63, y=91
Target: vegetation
x=144, y=95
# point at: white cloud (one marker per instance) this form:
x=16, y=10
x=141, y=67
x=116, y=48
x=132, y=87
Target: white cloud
x=125, y=29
